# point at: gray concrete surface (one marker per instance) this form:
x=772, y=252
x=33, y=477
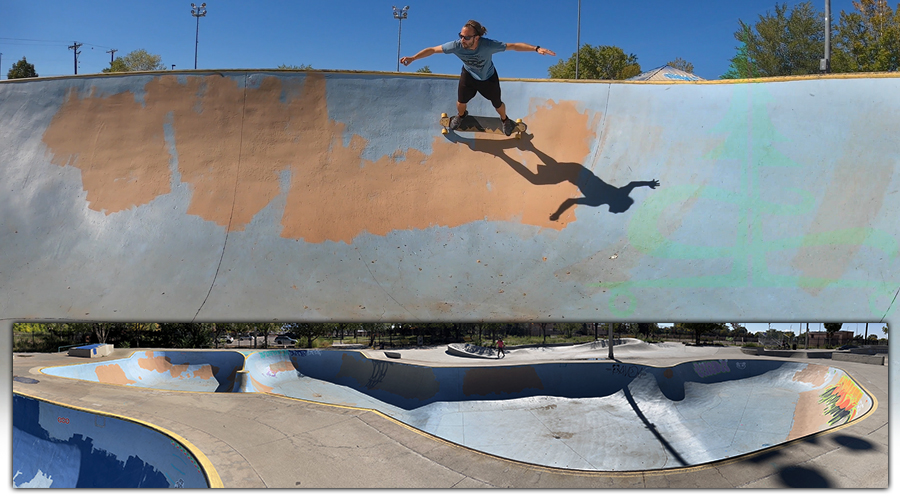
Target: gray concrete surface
x=257, y=440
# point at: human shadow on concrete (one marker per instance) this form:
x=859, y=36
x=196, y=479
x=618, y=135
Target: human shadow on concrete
x=796, y=476
x=595, y=191
x=652, y=428
x=802, y=477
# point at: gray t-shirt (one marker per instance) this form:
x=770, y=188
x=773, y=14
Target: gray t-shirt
x=477, y=62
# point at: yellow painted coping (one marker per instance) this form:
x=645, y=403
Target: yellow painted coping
x=222, y=72
x=212, y=477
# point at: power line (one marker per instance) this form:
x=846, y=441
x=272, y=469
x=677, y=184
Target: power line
x=32, y=41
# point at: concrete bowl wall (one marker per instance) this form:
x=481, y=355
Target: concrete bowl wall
x=56, y=446
x=202, y=371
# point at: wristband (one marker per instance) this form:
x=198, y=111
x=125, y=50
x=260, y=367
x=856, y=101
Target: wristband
x=537, y=48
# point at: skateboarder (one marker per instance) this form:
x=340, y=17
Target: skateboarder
x=478, y=73
x=500, y=349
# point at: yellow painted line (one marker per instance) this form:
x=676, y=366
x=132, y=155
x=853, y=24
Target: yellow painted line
x=209, y=471
x=245, y=72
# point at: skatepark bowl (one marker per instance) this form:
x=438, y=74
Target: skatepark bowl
x=574, y=415
x=55, y=446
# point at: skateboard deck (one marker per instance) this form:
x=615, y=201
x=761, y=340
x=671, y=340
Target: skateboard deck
x=486, y=124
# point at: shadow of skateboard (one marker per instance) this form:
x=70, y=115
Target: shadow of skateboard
x=486, y=124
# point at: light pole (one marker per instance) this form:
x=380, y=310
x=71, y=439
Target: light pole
x=399, y=15
x=578, y=40
x=825, y=62
x=197, y=12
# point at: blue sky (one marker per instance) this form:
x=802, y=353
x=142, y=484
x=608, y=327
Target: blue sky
x=362, y=34
x=857, y=328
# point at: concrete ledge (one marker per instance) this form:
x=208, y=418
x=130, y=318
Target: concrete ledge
x=91, y=351
x=869, y=359
x=338, y=345
x=752, y=350
x=784, y=354
x=394, y=355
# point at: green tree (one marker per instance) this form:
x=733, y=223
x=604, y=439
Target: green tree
x=310, y=331
x=568, y=329
x=780, y=44
x=681, y=64
x=831, y=329
x=741, y=66
x=137, y=60
x=700, y=329
x=868, y=39
x=603, y=62
x=22, y=69
x=424, y=69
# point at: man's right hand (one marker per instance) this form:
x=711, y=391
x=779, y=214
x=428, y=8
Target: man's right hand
x=406, y=60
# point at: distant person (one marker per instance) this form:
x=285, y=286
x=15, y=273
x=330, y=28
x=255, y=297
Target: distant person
x=500, y=349
x=478, y=73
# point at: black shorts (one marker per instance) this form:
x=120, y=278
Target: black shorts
x=469, y=86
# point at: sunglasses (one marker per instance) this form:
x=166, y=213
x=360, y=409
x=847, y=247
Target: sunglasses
x=467, y=38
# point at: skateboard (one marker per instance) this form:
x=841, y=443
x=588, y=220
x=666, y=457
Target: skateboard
x=490, y=125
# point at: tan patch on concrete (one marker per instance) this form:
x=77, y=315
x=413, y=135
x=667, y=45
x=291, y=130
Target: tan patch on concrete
x=116, y=143
x=206, y=372
x=161, y=364
x=809, y=415
x=849, y=204
x=282, y=366
x=112, y=374
x=484, y=381
x=260, y=387
x=233, y=144
x=812, y=374
x=407, y=381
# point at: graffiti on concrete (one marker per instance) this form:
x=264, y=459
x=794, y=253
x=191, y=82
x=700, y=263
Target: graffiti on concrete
x=709, y=368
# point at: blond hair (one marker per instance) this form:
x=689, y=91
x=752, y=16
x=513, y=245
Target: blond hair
x=475, y=25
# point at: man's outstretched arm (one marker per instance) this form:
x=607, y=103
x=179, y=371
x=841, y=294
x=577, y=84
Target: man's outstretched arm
x=421, y=54
x=527, y=47
x=633, y=184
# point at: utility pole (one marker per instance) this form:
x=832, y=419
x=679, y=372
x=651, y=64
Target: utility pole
x=74, y=47
x=400, y=15
x=112, y=55
x=1, y=63
x=197, y=12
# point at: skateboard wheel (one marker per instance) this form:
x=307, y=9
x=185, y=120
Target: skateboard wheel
x=443, y=115
x=518, y=120
x=444, y=131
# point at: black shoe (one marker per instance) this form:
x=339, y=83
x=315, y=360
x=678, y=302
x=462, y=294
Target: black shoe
x=508, y=126
x=457, y=120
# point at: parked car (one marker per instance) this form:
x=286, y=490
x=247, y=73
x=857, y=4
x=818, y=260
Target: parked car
x=847, y=347
x=284, y=340
x=246, y=336
x=225, y=339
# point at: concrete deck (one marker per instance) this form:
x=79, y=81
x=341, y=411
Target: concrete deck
x=260, y=440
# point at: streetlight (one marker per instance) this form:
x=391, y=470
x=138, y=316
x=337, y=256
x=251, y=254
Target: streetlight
x=825, y=62
x=197, y=12
x=399, y=15
x=578, y=40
